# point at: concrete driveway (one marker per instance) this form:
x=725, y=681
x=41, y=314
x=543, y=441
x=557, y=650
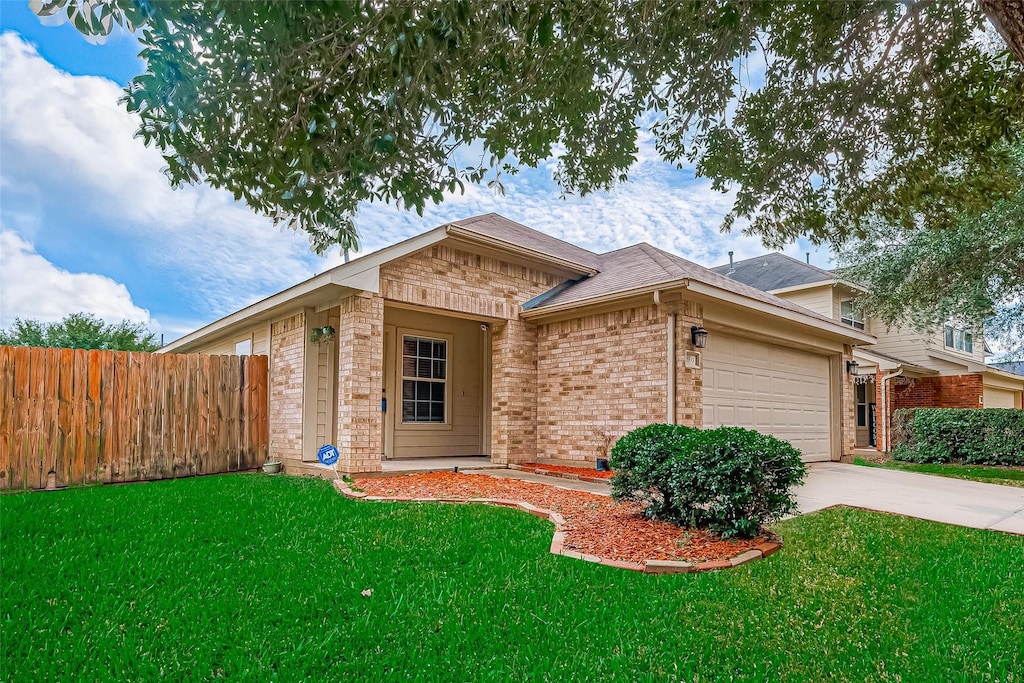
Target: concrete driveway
x=940, y=499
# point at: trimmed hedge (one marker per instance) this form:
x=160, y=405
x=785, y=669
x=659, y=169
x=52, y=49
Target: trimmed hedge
x=985, y=436
x=730, y=480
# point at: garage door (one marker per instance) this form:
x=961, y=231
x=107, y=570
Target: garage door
x=1000, y=398
x=780, y=391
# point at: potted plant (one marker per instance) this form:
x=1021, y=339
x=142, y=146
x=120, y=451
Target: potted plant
x=322, y=335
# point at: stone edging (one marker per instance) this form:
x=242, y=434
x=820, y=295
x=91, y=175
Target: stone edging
x=558, y=540
x=562, y=475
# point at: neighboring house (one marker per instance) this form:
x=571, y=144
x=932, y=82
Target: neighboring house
x=1016, y=367
x=904, y=368
x=484, y=337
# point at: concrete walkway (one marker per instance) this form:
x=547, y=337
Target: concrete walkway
x=940, y=499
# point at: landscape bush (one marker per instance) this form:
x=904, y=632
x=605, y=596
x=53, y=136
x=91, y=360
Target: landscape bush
x=641, y=461
x=988, y=436
x=729, y=479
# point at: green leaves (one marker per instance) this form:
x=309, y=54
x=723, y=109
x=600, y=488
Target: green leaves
x=821, y=117
x=81, y=331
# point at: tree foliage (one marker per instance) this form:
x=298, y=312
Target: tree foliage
x=870, y=111
x=971, y=273
x=81, y=331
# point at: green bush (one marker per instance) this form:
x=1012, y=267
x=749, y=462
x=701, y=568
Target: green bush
x=641, y=460
x=730, y=480
x=988, y=436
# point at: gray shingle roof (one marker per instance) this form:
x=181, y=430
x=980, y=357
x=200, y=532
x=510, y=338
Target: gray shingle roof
x=643, y=265
x=1014, y=367
x=498, y=227
x=775, y=271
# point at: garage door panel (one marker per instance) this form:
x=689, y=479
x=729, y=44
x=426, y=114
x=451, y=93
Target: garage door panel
x=780, y=391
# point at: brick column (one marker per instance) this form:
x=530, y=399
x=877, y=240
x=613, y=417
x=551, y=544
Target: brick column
x=847, y=406
x=360, y=376
x=514, y=392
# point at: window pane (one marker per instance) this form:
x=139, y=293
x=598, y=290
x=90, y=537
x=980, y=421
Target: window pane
x=408, y=390
x=408, y=411
x=440, y=349
x=438, y=370
x=862, y=416
x=437, y=391
x=423, y=411
x=969, y=343
x=424, y=349
x=436, y=411
x=422, y=367
x=409, y=346
x=862, y=391
x=408, y=366
x=949, y=336
x=958, y=339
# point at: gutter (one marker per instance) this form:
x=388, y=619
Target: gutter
x=886, y=437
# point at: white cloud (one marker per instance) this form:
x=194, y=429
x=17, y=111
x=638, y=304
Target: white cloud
x=69, y=147
x=33, y=288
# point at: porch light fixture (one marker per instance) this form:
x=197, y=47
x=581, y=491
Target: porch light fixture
x=851, y=367
x=699, y=337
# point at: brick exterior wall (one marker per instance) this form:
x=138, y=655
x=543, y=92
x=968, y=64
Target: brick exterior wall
x=602, y=375
x=360, y=377
x=287, y=359
x=454, y=280
x=514, y=392
x=847, y=405
x=951, y=391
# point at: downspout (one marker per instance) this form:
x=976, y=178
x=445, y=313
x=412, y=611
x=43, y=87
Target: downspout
x=670, y=355
x=885, y=408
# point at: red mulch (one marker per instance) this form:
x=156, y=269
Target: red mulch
x=582, y=471
x=594, y=525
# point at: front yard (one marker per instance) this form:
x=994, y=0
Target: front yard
x=1006, y=476
x=256, y=577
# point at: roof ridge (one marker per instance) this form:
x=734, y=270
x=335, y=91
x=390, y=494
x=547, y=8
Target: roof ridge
x=663, y=259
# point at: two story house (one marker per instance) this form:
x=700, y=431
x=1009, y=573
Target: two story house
x=904, y=368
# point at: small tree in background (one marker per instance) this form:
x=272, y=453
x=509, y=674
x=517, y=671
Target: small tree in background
x=81, y=331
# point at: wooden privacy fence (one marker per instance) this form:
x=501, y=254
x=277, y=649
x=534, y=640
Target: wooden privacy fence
x=115, y=416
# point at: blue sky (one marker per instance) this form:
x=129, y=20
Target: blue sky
x=89, y=223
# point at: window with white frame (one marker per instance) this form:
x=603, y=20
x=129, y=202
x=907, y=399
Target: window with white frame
x=424, y=376
x=849, y=314
x=959, y=339
x=243, y=347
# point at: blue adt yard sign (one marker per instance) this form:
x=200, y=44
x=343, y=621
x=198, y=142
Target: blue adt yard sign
x=328, y=455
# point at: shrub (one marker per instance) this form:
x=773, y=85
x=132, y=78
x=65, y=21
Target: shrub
x=640, y=460
x=989, y=436
x=729, y=479
x=734, y=480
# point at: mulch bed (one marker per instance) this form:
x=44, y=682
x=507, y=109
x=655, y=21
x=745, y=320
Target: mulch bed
x=580, y=471
x=594, y=525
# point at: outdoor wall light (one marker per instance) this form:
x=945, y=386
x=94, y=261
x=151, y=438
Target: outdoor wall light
x=851, y=367
x=699, y=337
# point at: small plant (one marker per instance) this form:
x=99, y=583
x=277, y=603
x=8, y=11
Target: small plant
x=322, y=335
x=730, y=480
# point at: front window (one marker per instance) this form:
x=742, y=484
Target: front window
x=424, y=375
x=958, y=339
x=849, y=315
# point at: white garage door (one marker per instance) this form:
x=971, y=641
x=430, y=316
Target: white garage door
x=773, y=389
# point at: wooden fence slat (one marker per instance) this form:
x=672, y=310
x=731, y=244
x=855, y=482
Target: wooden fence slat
x=190, y=452
x=92, y=441
x=60, y=384
x=134, y=424
x=106, y=415
x=79, y=415
x=6, y=416
x=20, y=424
x=38, y=427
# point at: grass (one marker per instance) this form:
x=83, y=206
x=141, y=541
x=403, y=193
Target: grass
x=989, y=475
x=252, y=577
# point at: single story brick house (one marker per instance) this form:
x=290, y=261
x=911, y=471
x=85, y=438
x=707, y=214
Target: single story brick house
x=485, y=337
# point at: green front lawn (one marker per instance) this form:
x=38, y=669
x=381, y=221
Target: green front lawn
x=260, y=578
x=990, y=475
